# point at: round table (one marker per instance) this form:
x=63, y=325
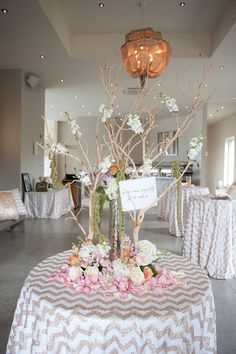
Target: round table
x=177, y=222
x=210, y=236
x=51, y=318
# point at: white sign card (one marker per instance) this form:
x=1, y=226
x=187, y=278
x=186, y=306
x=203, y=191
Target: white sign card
x=138, y=193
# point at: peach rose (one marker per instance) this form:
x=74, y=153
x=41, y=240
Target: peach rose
x=113, y=169
x=73, y=260
x=148, y=273
x=125, y=255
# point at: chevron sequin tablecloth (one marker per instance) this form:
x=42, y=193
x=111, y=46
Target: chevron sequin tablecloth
x=210, y=236
x=51, y=204
x=53, y=319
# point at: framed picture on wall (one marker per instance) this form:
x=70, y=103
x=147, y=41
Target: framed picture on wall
x=163, y=139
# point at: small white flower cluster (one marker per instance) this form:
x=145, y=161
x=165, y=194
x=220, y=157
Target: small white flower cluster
x=134, y=123
x=112, y=189
x=170, y=103
x=75, y=129
x=83, y=177
x=58, y=148
x=147, y=253
x=107, y=162
x=196, y=144
x=147, y=166
x=106, y=112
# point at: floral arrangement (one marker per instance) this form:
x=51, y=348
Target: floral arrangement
x=90, y=270
x=113, y=264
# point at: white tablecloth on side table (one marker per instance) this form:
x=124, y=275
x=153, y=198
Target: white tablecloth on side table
x=177, y=223
x=51, y=318
x=163, y=206
x=210, y=236
x=52, y=204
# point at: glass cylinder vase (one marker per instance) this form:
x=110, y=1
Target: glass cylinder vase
x=116, y=229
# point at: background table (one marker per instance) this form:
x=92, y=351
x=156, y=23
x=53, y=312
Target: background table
x=210, y=236
x=52, y=204
x=51, y=318
x=177, y=223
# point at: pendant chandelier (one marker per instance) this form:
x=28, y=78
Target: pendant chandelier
x=145, y=53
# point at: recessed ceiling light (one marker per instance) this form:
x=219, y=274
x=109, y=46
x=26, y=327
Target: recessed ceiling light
x=83, y=105
x=51, y=106
x=101, y=4
x=119, y=113
x=117, y=106
x=42, y=56
x=187, y=107
x=61, y=80
x=61, y=113
x=89, y=113
x=195, y=97
x=221, y=67
x=182, y=4
x=206, y=85
x=5, y=11
x=155, y=97
x=158, y=84
x=210, y=115
x=222, y=107
x=76, y=97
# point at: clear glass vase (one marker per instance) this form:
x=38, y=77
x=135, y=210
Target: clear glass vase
x=116, y=229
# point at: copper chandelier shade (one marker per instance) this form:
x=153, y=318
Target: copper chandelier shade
x=145, y=54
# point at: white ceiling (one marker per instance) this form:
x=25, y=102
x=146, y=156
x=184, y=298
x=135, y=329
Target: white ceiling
x=77, y=37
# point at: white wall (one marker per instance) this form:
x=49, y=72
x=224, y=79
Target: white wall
x=217, y=133
x=10, y=115
x=32, y=130
x=20, y=125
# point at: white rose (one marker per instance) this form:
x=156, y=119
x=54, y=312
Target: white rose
x=143, y=259
x=136, y=275
x=74, y=273
x=148, y=248
x=86, y=251
x=92, y=271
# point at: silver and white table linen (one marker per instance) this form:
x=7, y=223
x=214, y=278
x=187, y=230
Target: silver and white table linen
x=163, y=206
x=51, y=318
x=52, y=204
x=177, y=222
x=210, y=236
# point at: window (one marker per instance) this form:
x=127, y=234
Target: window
x=229, y=161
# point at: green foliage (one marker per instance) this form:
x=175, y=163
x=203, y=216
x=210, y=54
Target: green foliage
x=98, y=199
x=176, y=173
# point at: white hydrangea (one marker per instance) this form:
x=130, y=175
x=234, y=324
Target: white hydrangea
x=107, y=162
x=170, y=103
x=58, y=148
x=148, y=248
x=86, y=251
x=112, y=189
x=120, y=268
x=103, y=249
x=106, y=112
x=134, y=123
x=196, y=144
